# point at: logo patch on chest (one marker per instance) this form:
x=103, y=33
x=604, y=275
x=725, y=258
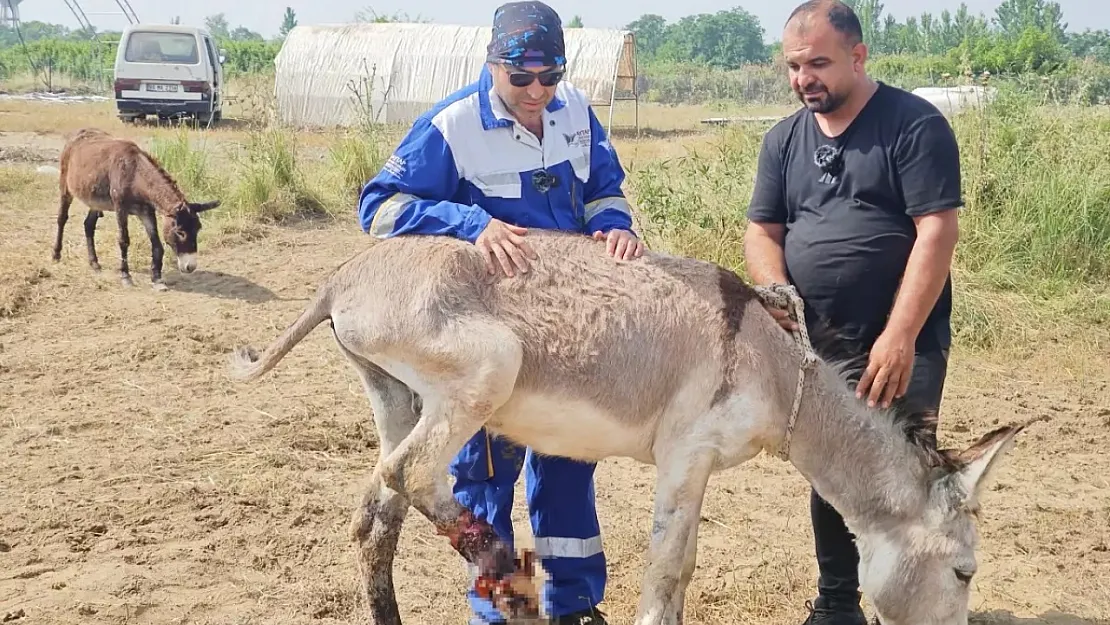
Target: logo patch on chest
x=579, y=139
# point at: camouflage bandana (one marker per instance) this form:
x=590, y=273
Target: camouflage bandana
x=526, y=34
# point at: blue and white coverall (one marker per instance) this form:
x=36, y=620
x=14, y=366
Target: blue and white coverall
x=463, y=162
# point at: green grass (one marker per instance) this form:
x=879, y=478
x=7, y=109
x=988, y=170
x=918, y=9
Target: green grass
x=270, y=178
x=1038, y=195
x=1034, y=256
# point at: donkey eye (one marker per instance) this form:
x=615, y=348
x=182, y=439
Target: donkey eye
x=964, y=576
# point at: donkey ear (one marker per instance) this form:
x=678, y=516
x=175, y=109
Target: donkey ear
x=979, y=461
x=200, y=208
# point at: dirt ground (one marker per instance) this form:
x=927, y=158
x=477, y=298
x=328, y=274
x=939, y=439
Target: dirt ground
x=140, y=485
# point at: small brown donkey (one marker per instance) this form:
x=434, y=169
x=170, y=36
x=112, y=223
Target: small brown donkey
x=112, y=174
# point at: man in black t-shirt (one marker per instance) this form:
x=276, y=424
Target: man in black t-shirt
x=855, y=204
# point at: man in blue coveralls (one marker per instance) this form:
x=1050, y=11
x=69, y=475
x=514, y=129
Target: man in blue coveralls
x=519, y=148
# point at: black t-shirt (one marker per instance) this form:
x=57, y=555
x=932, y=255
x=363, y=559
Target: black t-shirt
x=849, y=234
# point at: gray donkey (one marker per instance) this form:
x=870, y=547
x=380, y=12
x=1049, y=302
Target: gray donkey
x=670, y=361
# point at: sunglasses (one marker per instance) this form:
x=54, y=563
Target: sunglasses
x=548, y=78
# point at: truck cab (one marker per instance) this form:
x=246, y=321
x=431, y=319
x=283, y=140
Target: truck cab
x=168, y=70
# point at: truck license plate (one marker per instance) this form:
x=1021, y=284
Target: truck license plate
x=162, y=88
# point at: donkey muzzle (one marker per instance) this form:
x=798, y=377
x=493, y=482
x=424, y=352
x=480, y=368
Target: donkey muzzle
x=187, y=263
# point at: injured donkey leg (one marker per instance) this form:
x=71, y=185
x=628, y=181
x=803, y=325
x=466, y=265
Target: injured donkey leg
x=377, y=521
x=451, y=415
x=502, y=578
x=376, y=527
x=416, y=469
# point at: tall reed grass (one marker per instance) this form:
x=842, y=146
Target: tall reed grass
x=269, y=177
x=1034, y=253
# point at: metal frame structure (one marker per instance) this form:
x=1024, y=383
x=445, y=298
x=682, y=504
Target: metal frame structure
x=9, y=16
x=625, y=78
x=102, y=45
x=9, y=12
x=83, y=17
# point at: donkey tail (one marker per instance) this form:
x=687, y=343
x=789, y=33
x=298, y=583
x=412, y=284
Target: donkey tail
x=247, y=364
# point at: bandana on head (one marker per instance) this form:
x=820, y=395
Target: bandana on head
x=526, y=34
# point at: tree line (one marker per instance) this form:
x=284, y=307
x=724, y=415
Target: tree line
x=1022, y=36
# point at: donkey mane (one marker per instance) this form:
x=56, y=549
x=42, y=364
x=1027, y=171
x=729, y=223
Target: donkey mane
x=133, y=149
x=848, y=359
x=166, y=177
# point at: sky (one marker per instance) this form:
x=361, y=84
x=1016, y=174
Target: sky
x=264, y=16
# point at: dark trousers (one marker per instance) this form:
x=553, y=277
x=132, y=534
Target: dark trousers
x=837, y=558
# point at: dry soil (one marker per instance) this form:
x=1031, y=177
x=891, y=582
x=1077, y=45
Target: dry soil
x=139, y=485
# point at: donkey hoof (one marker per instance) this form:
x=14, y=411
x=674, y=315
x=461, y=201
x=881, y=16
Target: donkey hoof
x=94, y=265
x=126, y=281
x=159, y=286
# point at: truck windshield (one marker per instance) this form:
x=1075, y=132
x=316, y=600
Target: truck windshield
x=156, y=47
